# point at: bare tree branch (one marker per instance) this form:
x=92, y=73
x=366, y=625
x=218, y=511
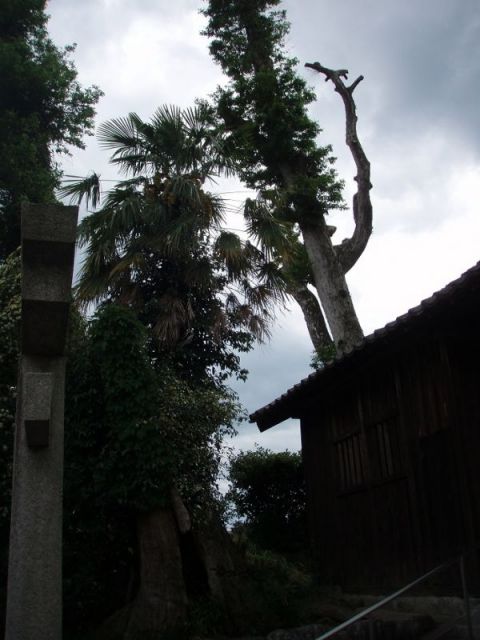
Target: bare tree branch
x=313, y=314
x=352, y=248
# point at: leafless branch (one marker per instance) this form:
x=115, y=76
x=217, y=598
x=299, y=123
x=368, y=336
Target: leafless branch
x=313, y=314
x=352, y=248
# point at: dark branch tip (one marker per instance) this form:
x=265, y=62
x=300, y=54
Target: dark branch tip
x=352, y=87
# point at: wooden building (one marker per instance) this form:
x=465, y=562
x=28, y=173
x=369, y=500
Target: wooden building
x=391, y=444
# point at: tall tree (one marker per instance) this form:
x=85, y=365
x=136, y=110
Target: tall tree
x=138, y=436
x=156, y=241
x=155, y=244
x=265, y=109
x=43, y=110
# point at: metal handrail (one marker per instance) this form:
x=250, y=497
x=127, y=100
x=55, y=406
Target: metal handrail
x=358, y=616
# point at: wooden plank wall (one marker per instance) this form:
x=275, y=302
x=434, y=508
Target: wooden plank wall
x=392, y=466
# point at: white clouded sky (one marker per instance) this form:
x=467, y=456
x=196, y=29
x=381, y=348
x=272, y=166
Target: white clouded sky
x=419, y=121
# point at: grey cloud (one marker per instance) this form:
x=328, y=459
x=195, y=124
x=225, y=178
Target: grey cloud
x=279, y=438
x=418, y=118
x=275, y=366
x=418, y=106
x=424, y=57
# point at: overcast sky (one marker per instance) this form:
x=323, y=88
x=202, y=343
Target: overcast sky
x=419, y=122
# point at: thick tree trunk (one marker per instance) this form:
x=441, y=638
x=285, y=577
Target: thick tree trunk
x=332, y=287
x=161, y=603
x=313, y=315
x=200, y=561
x=225, y=570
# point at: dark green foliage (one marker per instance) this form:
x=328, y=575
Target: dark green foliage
x=156, y=243
x=156, y=428
x=273, y=589
x=268, y=497
x=264, y=112
x=10, y=310
x=43, y=109
x=156, y=356
x=134, y=428
x=323, y=357
x=280, y=586
x=264, y=108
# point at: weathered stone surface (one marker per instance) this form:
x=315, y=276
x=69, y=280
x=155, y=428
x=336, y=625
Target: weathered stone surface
x=44, y=327
x=386, y=626
x=48, y=246
x=306, y=632
x=34, y=590
x=37, y=394
x=34, y=596
x=49, y=223
x=46, y=282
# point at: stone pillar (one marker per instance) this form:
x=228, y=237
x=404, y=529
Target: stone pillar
x=34, y=591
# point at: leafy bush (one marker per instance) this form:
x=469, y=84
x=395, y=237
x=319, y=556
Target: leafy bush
x=133, y=428
x=278, y=586
x=268, y=498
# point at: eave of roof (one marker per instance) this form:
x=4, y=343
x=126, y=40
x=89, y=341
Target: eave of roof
x=286, y=406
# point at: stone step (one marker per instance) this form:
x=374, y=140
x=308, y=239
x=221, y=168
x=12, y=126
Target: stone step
x=460, y=632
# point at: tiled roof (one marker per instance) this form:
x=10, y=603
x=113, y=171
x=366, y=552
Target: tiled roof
x=450, y=296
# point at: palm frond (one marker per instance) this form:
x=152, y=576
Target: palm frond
x=199, y=273
x=254, y=255
x=78, y=188
x=231, y=302
x=167, y=140
x=272, y=277
x=262, y=225
x=296, y=265
x=132, y=260
x=104, y=231
x=123, y=213
x=93, y=229
x=174, y=318
x=185, y=188
x=256, y=323
x=258, y=297
x=213, y=209
x=126, y=137
x=228, y=249
x=196, y=119
x=260, y=327
x=181, y=234
x=120, y=134
x=94, y=280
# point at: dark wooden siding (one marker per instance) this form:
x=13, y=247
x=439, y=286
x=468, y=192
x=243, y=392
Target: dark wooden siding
x=392, y=465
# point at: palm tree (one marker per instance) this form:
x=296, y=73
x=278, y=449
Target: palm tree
x=156, y=239
x=156, y=243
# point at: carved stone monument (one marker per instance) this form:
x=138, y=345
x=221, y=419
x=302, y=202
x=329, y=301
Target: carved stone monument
x=34, y=592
